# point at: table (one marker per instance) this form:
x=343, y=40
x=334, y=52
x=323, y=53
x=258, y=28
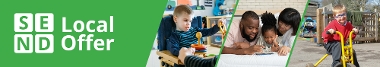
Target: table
x=232, y=60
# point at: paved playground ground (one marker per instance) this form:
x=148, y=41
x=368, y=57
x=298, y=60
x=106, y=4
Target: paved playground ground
x=304, y=52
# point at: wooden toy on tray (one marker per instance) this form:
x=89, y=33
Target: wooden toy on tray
x=199, y=47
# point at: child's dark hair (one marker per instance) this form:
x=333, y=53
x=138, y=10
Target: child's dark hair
x=292, y=17
x=269, y=23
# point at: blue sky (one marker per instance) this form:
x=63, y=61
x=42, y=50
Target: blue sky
x=372, y=2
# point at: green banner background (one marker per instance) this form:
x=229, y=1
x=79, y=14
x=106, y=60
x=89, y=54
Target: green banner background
x=135, y=26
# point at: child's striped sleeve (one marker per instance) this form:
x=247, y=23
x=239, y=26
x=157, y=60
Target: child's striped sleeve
x=208, y=31
x=194, y=61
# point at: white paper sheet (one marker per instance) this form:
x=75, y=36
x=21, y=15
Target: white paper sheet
x=231, y=60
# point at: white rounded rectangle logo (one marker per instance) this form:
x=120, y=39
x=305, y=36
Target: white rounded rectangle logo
x=23, y=43
x=23, y=22
x=29, y=43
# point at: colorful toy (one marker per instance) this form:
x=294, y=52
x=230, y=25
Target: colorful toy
x=222, y=29
x=347, y=58
x=199, y=47
x=217, y=11
x=308, y=28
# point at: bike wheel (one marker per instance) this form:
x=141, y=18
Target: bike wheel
x=347, y=65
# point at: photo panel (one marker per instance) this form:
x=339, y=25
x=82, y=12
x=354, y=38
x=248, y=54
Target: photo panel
x=338, y=33
x=182, y=22
x=262, y=33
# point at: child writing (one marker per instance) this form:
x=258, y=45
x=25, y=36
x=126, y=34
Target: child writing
x=184, y=35
x=332, y=41
x=269, y=31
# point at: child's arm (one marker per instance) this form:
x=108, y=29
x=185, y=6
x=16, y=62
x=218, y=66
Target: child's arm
x=326, y=36
x=350, y=28
x=210, y=31
x=173, y=45
x=194, y=61
x=230, y=50
x=230, y=45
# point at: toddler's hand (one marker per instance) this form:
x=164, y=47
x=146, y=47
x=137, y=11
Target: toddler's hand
x=275, y=46
x=355, y=30
x=221, y=22
x=275, y=40
x=331, y=31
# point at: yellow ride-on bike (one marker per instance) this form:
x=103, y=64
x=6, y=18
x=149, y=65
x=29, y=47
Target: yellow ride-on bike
x=347, y=58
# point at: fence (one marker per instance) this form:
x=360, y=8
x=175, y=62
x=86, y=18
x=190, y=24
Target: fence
x=366, y=22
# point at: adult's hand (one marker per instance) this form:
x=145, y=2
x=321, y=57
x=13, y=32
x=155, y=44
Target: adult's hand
x=185, y=52
x=253, y=49
x=257, y=48
x=241, y=45
x=284, y=50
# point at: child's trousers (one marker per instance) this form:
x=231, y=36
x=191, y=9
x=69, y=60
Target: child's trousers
x=334, y=48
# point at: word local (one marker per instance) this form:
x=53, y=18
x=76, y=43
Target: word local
x=98, y=44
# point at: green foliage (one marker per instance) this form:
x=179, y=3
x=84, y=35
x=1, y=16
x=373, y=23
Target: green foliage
x=356, y=18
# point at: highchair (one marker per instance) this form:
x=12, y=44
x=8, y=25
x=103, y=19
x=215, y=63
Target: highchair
x=169, y=59
x=165, y=29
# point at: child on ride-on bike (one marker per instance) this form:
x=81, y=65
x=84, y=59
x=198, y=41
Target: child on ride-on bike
x=332, y=41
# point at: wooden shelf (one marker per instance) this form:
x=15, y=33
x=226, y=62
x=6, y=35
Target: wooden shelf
x=218, y=17
x=208, y=20
x=216, y=45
